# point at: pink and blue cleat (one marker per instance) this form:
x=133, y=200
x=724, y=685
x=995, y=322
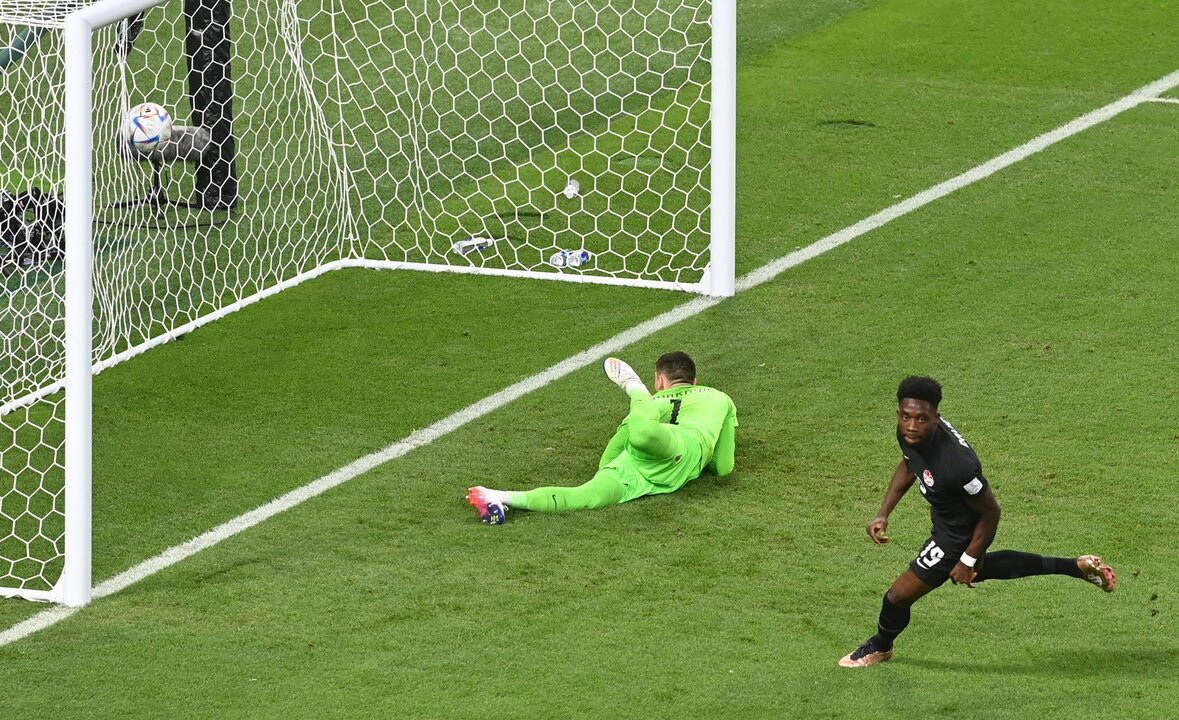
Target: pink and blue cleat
x=490, y=512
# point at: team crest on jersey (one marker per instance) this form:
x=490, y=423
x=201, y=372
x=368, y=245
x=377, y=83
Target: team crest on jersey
x=927, y=477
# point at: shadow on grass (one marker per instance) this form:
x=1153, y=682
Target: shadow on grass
x=1080, y=662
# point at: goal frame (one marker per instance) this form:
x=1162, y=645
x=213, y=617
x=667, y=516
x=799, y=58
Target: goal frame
x=74, y=586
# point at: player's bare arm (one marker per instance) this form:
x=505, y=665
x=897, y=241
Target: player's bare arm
x=902, y=480
x=988, y=511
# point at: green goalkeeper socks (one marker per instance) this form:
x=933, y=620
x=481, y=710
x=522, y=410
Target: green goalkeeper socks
x=603, y=490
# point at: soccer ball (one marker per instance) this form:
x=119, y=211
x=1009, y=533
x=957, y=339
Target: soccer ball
x=146, y=126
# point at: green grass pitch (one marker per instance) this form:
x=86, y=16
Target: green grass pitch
x=1044, y=298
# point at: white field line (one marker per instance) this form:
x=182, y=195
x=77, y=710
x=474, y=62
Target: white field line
x=418, y=438
x=1173, y=101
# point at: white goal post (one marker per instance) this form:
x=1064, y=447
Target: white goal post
x=591, y=141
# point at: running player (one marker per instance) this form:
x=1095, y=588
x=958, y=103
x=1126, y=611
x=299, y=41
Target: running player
x=965, y=516
x=667, y=440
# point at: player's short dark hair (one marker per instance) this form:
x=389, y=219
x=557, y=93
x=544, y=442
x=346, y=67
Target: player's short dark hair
x=920, y=387
x=676, y=366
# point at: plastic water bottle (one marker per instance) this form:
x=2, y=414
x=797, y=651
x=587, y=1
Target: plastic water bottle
x=470, y=245
x=570, y=258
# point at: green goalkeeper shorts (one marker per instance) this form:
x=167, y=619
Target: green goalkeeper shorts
x=640, y=475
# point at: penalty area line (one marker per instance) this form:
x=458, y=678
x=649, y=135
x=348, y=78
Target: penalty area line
x=420, y=438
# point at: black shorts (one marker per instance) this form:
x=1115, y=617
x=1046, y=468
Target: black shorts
x=937, y=558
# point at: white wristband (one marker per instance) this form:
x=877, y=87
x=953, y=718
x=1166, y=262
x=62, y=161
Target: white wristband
x=967, y=560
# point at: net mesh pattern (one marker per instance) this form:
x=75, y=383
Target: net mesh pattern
x=563, y=139
x=39, y=13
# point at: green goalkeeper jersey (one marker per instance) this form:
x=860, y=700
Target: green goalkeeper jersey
x=709, y=413
x=700, y=422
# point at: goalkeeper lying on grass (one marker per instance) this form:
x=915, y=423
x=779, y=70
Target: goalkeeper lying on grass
x=668, y=439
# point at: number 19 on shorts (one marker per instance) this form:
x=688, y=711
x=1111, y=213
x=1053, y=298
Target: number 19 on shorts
x=930, y=555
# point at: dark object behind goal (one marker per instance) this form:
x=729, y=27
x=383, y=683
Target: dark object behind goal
x=31, y=226
x=209, y=50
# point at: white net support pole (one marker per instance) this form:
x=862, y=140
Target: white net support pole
x=74, y=586
x=721, y=276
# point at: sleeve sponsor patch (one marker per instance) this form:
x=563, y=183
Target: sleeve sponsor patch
x=973, y=486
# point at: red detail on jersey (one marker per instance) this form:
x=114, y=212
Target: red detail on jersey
x=927, y=477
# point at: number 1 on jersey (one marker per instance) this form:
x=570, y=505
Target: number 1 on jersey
x=675, y=410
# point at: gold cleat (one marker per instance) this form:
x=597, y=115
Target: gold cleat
x=1097, y=572
x=865, y=655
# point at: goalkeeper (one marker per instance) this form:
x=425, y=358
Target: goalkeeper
x=667, y=440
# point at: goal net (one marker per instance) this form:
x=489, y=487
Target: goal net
x=590, y=140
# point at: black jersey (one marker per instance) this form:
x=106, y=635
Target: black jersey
x=947, y=470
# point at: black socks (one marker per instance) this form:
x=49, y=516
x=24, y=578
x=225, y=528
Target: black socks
x=1011, y=564
x=893, y=620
